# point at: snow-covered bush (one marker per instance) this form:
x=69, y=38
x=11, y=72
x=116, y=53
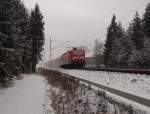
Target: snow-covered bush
x=70, y=96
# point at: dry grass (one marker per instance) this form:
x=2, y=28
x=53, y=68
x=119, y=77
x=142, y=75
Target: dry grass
x=69, y=96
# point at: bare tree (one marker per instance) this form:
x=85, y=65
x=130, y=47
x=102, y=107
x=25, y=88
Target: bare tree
x=98, y=52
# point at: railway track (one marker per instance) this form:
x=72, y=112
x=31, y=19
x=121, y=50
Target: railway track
x=135, y=71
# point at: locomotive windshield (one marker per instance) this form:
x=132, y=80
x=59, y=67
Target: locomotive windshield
x=78, y=52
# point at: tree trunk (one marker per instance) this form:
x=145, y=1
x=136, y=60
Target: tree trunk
x=33, y=67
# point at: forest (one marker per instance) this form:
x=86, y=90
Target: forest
x=128, y=49
x=21, y=38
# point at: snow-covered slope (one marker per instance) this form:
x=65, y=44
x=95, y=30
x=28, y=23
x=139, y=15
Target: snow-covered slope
x=135, y=84
x=26, y=96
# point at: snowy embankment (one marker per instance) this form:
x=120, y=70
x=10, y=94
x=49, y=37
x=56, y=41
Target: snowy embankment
x=135, y=84
x=26, y=96
x=72, y=97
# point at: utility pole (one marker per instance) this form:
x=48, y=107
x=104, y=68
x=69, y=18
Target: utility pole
x=50, y=55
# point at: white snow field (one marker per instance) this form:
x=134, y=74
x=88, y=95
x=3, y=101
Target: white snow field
x=135, y=84
x=26, y=96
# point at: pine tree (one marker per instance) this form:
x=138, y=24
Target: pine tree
x=27, y=52
x=111, y=31
x=127, y=46
x=117, y=46
x=136, y=32
x=13, y=21
x=36, y=33
x=146, y=20
x=6, y=23
x=146, y=27
x=8, y=60
x=22, y=25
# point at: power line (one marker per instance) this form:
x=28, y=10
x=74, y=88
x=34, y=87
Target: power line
x=58, y=48
x=105, y=16
x=120, y=3
x=116, y=8
x=100, y=11
x=106, y=5
x=62, y=50
x=60, y=45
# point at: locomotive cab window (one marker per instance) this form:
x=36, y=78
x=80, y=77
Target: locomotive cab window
x=78, y=52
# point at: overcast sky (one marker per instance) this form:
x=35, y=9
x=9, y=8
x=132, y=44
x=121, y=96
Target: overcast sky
x=79, y=22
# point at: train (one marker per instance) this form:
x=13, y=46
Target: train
x=73, y=58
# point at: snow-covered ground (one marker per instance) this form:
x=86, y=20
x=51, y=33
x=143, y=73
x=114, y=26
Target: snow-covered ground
x=26, y=96
x=136, y=84
x=130, y=83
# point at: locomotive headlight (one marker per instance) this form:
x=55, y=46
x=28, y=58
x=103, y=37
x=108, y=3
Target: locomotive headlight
x=74, y=58
x=80, y=58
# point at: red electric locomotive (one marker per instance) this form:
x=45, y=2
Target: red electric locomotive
x=73, y=58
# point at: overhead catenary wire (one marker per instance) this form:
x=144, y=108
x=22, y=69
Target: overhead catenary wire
x=60, y=45
x=114, y=8
x=59, y=48
x=100, y=20
x=100, y=11
x=107, y=15
x=106, y=5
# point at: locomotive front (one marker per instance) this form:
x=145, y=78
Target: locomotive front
x=73, y=58
x=78, y=57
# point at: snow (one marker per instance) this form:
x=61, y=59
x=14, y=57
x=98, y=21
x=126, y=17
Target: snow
x=26, y=96
x=141, y=109
x=135, y=84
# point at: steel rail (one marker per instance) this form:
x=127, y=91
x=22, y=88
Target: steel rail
x=134, y=71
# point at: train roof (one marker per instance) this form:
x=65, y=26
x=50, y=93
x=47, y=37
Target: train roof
x=75, y=48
